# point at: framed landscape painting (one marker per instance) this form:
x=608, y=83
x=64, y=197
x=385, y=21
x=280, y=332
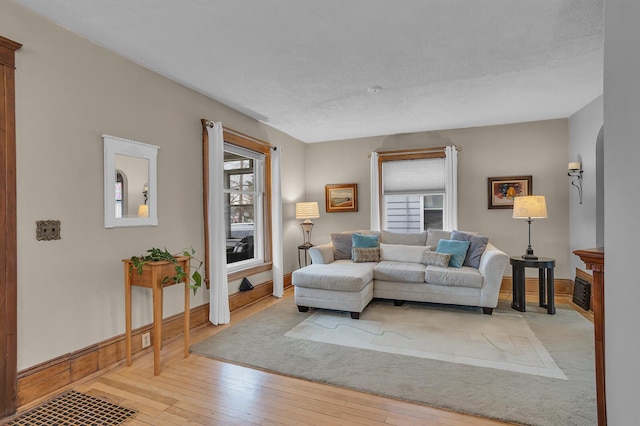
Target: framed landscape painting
x=341, y=197
x=502, y=190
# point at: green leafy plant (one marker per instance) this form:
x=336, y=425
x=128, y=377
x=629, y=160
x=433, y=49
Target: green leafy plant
x=156, y=254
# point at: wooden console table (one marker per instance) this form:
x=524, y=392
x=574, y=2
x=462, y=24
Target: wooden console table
x=594, y=260
x=152, y=275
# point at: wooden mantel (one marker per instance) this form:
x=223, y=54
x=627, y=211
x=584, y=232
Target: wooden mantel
x=594, y=260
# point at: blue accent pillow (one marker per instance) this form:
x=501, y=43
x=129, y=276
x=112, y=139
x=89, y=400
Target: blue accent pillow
x=364, y=241
x=457, y=249
x=477, y=245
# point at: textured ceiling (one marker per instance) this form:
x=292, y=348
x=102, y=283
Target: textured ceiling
x=304, y=66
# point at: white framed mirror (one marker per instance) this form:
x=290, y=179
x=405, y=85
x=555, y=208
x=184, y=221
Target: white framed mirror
x=130, y=183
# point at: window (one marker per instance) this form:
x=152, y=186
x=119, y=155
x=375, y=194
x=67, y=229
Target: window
x=243, y=203
x=413, y=190
x=413, y=213
x=246, y=174
x=120, y=202
x=433, y=210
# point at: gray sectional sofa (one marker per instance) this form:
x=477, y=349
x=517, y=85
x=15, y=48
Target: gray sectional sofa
x=408, y=268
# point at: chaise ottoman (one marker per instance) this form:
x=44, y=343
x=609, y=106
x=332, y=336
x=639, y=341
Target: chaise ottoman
x=342, y=286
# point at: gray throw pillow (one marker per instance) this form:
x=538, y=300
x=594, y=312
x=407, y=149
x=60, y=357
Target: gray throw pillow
x=341, y=246
x=477, y=245
x=435, y=235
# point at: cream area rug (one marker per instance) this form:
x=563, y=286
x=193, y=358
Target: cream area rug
x=503, y=341
x=522, y=367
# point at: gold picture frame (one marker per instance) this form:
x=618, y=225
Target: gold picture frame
x=341, y=197
x=502, y=190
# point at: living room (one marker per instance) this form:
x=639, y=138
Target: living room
x=70, y=91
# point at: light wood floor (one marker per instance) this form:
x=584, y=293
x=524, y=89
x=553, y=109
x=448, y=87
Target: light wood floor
x=202, y=391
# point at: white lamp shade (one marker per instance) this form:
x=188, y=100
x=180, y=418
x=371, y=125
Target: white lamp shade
x=307, y=210
x=143, y=210
x=529, y=207
x=574, y=166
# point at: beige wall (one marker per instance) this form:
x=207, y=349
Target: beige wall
x=539, y=149
x=69, y=92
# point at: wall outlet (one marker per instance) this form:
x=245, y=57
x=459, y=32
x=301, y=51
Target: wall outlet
x=146, y=340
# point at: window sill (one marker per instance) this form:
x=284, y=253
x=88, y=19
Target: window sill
x=250, y=270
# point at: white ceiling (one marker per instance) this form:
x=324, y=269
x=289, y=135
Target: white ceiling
x=304, y=66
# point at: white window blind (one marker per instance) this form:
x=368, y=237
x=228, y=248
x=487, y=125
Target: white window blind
x=422, y=176
x=403, y=213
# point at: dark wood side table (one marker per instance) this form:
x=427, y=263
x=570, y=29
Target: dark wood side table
x=545, y=267
x=304, y=249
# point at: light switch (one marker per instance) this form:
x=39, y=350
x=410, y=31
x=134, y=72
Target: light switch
x=47, y=230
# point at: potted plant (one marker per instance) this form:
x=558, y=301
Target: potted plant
x=159, y=255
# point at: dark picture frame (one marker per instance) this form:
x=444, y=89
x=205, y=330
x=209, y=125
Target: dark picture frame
x=502, y=190
x=341, y=197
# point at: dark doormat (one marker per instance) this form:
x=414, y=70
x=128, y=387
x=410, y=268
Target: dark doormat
x=74, y=408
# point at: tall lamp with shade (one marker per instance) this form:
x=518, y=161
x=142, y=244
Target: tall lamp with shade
x=528, y=208
x=307, y=210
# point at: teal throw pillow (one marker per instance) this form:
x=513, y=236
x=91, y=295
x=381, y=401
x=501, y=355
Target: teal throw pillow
x=457, y=249
x=364, y=241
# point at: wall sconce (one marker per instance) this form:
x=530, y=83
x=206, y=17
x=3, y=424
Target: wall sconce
x=143, y=209
x=575, y=171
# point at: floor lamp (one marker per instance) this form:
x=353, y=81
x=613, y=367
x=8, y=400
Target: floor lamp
x=528, y=208
x=307, y=211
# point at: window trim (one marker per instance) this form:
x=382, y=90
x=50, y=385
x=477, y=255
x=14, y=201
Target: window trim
x=259, y=193
x=263, y=260
x=244, y=141
x=402, y=155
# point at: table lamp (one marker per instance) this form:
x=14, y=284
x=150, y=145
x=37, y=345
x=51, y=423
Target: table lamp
x=307, y=210
x=143, y=210
x=529, y=207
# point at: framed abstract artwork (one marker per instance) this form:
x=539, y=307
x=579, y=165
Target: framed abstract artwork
x=502, y=190
x=341, y=197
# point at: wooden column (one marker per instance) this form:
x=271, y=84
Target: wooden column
x=594, y=260
x=8, y=236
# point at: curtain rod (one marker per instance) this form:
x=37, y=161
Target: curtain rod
x=210, y=123
x=415, y=151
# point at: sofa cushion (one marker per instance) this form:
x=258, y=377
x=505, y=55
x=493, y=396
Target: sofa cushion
x=340, y=275
x=402, y=253
x=435, y=235
x=413, y=239
x=365, y=241
x=399, y=271
x=365, y=254
x=341, y=246
x=458, y=250
x=477, y=245
x=436, y=259
x=454, y=277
